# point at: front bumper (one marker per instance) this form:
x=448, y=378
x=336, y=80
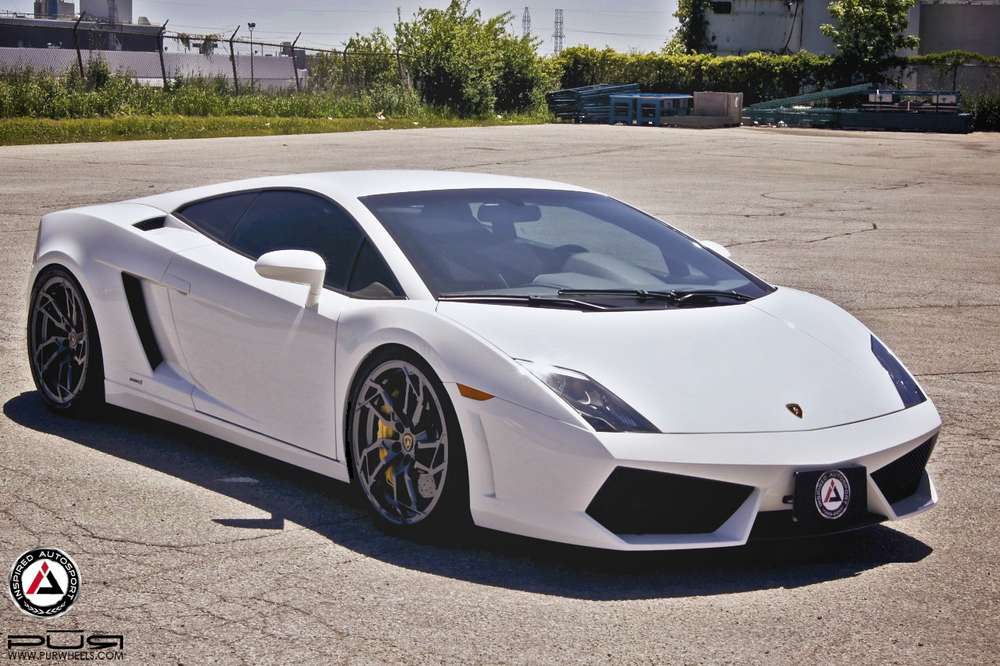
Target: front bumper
x=536, y=476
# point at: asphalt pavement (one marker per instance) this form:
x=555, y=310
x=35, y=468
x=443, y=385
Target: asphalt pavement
x=196, y=551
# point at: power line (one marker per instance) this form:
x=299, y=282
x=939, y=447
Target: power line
x=616, y=34
x=265, y=8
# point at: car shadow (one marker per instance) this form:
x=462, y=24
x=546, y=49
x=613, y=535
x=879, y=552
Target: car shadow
x=332, y=510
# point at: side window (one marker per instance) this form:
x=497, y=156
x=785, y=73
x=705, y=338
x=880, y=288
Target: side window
x=371, y=277
x=289, y=220
x=217, y=217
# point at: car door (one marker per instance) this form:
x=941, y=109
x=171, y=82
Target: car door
x=257, y=356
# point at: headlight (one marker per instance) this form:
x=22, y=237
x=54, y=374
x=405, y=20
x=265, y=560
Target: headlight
x=908, y=390
x=598, y=406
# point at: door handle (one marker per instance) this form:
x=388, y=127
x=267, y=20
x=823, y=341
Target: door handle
x=176, y=283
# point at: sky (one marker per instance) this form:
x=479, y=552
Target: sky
x=639, y=25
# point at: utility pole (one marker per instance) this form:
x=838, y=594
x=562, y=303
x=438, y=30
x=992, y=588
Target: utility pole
x=163, y=66
x=295, y=67
x=526, y=22
x=76, y=42
x=251, y=25
x=232, y=58
x=559, y=35
x=404, y=77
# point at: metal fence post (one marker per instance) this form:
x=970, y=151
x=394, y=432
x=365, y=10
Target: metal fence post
x=76, y=43
x=347, y=67
x=163, y=66
x=232, y=58
x=295, y=67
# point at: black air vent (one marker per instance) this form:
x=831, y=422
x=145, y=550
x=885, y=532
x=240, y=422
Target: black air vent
x=151, y=223
x=901, y=478
x=639, y=501
x=140, y=317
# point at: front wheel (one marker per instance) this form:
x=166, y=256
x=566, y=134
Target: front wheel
x=64, y=350
x=406, y=447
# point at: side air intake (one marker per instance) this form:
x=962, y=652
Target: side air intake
x=140, y=317
x=151, y=223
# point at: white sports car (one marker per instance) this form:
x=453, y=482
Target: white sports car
x=536, y=357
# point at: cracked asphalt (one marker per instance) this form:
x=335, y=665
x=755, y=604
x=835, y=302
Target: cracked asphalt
x=198, y=551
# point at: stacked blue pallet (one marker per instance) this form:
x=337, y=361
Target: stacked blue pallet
x=588, y=104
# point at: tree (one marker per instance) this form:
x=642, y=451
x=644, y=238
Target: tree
x=868, y=33
x=454, y=57
x=691, y=35
x=371, y=61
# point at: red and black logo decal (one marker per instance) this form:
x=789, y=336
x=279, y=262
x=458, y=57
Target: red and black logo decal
x=44, y=582
x=833, y=494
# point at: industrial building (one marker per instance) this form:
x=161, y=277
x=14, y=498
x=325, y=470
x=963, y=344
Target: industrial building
x=112, y=11
x=104, y=25
x=18, y=31
x=54, y=9
x=780, y=26
x=57, y=38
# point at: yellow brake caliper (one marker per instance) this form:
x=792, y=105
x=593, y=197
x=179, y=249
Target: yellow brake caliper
x=386, y=431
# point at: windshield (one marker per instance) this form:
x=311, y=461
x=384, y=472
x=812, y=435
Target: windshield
x=517, y=243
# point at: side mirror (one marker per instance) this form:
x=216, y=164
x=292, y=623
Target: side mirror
x=297, y=267
x=720, y=250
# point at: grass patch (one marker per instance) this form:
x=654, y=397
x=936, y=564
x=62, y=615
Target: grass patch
x=23, y=131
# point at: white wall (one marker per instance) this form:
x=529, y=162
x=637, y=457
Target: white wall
x=974, y=27
x=764, y=25
x=754, y=25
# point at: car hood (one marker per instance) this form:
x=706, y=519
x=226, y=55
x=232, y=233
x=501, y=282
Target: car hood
x=734, y=368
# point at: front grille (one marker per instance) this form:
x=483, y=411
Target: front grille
x=901, y=478
x=639, y=501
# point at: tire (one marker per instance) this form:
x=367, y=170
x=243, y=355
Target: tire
x=64, y=349
x=407, y=460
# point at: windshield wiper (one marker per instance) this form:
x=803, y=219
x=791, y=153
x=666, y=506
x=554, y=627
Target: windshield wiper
x=691, y=294
x=523, y=299
x=676, y=296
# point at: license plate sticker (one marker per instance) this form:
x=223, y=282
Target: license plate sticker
x=831, y=495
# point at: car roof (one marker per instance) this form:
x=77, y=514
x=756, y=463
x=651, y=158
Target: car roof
x=342, y=185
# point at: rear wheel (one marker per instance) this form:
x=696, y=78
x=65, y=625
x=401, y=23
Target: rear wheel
x=406, y=448
x=64, y=350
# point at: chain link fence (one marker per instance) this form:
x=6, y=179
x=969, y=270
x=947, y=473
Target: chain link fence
x=968, y=78
x=159, y=58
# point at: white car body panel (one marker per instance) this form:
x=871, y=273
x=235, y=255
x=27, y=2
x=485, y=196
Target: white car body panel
x=686, y=370
x=245, y=361
x=256, y=356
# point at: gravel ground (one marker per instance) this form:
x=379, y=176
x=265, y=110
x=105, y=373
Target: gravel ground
x=197, y=551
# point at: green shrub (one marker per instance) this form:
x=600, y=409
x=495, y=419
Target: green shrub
x=523, y=77
x=97, y=73
x=758, y=76
x=42, y=95
x=452, y=56
x=985, y=110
